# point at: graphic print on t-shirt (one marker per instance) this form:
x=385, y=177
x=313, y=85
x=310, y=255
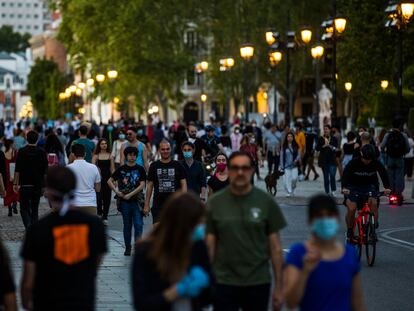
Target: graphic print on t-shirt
x=71, y=243
x=129, y=180
x=166, y=179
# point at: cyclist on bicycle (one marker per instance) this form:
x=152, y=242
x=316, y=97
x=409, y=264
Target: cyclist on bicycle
x=360, y=176
x=212, y=142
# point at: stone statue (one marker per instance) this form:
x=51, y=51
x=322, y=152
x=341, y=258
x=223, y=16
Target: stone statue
x=324, y=97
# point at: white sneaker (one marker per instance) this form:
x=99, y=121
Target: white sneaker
x=333, y=194
x=105, y=222
x=288, y=195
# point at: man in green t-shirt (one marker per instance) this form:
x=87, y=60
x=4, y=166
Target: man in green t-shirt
x=86, y=142
x=242, y=237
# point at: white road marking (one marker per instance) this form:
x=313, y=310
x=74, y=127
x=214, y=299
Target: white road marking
x=385, y=237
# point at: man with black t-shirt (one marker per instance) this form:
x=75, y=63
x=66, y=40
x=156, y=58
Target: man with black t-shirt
x=199, y=144
x=131, y=181
x=165, y=177
x=31, y=166
x=62, y=252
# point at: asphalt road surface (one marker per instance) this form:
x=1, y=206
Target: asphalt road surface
x=388, y=286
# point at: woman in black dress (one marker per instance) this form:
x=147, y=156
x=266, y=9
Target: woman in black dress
x=220, y=179
x=103, y=160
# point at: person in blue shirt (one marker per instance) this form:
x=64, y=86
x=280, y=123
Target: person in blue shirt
x=322, y=273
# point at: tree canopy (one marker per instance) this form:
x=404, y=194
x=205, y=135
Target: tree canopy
x=13, y=42
x=145, y=41
x=44, y=84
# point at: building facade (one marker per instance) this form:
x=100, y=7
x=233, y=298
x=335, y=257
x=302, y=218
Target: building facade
x=14, y=72
x=25, y=16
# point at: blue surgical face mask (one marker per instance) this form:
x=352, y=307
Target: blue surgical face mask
x=121, y=136
x=140, y=132
x=325, y=228
x=199, y=233
x=187, y=154
x=110, y=128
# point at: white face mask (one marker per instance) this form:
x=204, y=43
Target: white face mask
x=191, y=140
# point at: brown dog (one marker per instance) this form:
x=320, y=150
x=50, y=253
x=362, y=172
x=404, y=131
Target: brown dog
x=271, y=182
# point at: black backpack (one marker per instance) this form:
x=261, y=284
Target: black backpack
x=396, y=147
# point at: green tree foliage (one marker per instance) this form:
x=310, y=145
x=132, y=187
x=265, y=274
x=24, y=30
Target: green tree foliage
x=44, y=84
x=11, y=41
x=367, y=52
x=144, y=41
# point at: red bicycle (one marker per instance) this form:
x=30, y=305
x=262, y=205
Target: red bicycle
x=364, y=227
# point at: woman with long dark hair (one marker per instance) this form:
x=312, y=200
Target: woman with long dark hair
x=220, y=179
x=11, y=198
x=105, y=162
x=54, y=150
x=289, y=163
x=171, y=268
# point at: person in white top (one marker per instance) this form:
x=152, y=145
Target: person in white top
x=116, y=148
x=409, y=158
x=236, y=138
x=88, y=181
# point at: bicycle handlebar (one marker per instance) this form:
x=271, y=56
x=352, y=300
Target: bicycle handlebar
x=370, y=194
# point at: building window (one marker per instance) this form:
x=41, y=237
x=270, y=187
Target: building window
x=11, y=15
x=36, y=27
x=11, y=4
x=3, y=4
x=191, y=39
x=28, y=5
x=28, y=16
x=35, y=5
x=36, y=16
x=28, y=27
x=20, y=27
x=19, y=4
x=19, y=15
x=3, y=15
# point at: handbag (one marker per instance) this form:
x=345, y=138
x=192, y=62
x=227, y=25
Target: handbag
x=12, y=169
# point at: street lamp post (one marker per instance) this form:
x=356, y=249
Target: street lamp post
x=112, y=75
x=89, y=88
x=348, y=88
x=200, y=69
x=334, y=27
x=246, y=53
x=317, y=52
x=275, y=57
x=399, y=14
x=226, y=64
x=273, y=40
x=100, y=78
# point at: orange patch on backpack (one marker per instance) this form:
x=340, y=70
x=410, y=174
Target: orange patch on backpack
x=71, y=243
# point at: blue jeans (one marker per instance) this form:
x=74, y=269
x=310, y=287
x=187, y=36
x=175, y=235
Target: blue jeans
x=395, y=169
x=131, y=214
x=329, y=172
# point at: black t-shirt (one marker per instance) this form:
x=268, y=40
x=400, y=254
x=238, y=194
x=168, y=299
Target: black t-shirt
x=225, y=141
x=65, y=250
x=199, y=145
x=349, y=148
x=357, y=174
x=211, y=144
x=6, y=278
x=31, y=164
x=166, y=178
x=129, y=178
x=216, y=184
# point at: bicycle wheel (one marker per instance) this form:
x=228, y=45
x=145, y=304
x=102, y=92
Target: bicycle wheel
x=357, y=240
x=370, y=241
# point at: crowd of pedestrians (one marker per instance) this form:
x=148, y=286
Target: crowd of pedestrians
x=215, y=237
